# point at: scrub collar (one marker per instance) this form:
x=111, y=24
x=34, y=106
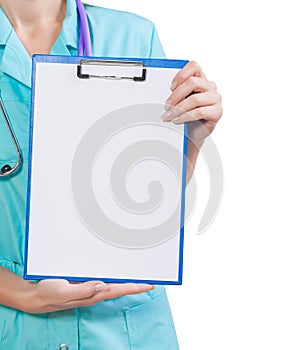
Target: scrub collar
x=5, y=27
x=70, y=29
x=16, y=61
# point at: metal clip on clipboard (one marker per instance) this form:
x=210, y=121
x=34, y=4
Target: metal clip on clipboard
x=86, y=69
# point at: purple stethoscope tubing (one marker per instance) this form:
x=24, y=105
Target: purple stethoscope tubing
x=84, y=48
x=84, y=38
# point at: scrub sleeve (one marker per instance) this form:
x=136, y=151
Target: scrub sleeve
x=138, y=322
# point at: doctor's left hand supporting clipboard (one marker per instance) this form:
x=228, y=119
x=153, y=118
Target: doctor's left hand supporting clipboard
x=114, y=210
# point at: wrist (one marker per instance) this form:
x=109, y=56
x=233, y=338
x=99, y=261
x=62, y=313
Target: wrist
x=27, y=298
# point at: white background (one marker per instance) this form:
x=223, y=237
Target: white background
x=239, y=290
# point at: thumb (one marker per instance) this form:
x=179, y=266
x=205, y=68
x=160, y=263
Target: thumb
x=77, y=291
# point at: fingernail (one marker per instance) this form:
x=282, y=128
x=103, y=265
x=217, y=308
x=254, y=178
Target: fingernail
x=99, y=287
x=175, y=120
x=173, y=85
x=168, y=104
x=166, y=115
x=148, y=286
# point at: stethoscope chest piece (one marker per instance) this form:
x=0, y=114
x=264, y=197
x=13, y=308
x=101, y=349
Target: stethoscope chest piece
x=5, y=169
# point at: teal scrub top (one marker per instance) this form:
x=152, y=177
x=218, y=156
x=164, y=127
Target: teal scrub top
x=137, y=322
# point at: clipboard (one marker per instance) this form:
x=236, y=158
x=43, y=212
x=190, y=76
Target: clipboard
x=106, y=182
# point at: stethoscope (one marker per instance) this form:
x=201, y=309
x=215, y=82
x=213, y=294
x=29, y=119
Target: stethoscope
x=84, y=48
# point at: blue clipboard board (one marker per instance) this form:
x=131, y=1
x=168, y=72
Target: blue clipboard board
x=107, y=177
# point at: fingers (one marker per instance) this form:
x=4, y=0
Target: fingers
x=189, y=104
x=208, y=113
x=189, y=86
x=113, y=290
x=118, y=290
x=191, y=69
x=193, y=98
x=54, y=295
x=84, y=290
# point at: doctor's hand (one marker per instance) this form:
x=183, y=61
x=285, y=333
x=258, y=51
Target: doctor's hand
x=56, y=295
x=194, y=99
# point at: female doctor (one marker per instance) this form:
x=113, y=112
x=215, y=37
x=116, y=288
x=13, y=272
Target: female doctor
x=54, y=314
